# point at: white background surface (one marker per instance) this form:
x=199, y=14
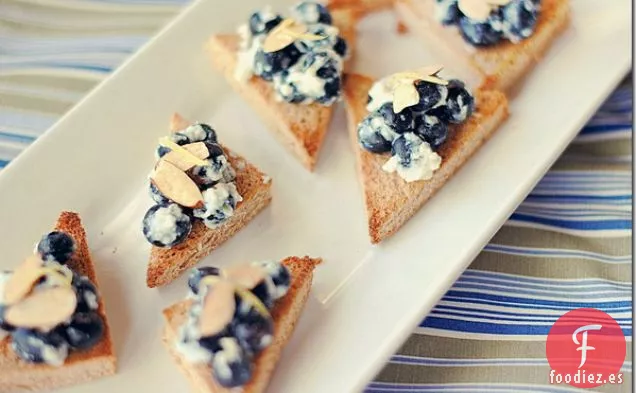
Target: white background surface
x=366, y=299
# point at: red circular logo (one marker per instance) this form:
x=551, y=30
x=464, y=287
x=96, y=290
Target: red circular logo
x=585, y=348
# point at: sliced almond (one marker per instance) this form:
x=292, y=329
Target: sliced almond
x=44, y=309
x=218, y=308
x=184, y=153
x=285, y=33
x=405, y=95
x=176, y=185
x=198, y=149
x=245, y=275
x=22, y=280
x=478, y=10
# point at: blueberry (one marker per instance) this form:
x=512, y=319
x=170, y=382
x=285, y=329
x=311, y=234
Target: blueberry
x=166, y=225
x=310, y=12
x=460, y=103
x=210, y=133
x=220, y=202
x=374, y=134
x=197, y=274
x=268, y=64
x=157, y=196
x=432, y=130
x=218, y=170
x=34, y=346
x=87, y=296
x=340, y=47
x=520, y=18
x=431, y=95
x=253, y=330
x=279, y=275
x=84, y=331
x=400, y=122
x=447, y=11
x=480, y=33
x=56, y=246
x=265, y=292
x=231, y=366
x=263, y=22
x=401, y=148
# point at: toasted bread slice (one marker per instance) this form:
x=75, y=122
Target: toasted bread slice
x=389, y=200
x=166, y=264
x=80, y=366
x=497, y=67
x=285, y=313
x=300, y=128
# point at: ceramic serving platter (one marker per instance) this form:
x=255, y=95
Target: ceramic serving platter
x=366, y=299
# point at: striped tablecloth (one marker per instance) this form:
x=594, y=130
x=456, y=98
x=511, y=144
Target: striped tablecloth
x=567, y=246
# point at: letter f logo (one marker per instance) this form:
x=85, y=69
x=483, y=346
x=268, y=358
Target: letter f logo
x=584, y=347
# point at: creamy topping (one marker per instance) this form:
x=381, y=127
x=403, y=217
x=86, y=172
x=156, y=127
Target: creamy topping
x=53, y=356
x=230, y=353
x=187, y=343
x=163, y=227
x=220, y=201
x=420, y=163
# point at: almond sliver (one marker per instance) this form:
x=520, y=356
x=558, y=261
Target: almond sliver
x=22, y=280
x=44, y=309
x=198, y=149
x=176, y=185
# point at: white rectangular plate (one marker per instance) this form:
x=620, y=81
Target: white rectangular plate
x=366, y=299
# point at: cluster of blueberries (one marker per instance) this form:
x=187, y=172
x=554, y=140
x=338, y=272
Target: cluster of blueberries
x=320, y=60
x=515, y=21
x=383, y=130
x=250, y=331
x=212, y=178
x=85, y=327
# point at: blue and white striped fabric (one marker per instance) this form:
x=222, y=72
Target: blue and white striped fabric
x=567, y=246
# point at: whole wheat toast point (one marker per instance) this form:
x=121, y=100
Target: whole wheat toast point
x=285, y=315
x=499, y=66
x=80, y=366
x=389, y=200
x=166, y=264
x=300, y=128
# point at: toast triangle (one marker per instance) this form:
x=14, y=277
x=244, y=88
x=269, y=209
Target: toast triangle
x=285, y=314
x=300, y=128
x=81, y=366
x=389, y=200
x=166, y=264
